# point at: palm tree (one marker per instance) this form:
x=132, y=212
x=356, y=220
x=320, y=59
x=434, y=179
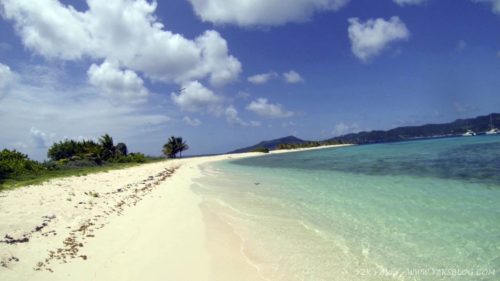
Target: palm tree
x=181, y=146
x=173, y=146
x=107, y=146
x=170, y=148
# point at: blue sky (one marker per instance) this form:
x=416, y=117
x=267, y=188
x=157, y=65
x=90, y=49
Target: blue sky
x=250, y=69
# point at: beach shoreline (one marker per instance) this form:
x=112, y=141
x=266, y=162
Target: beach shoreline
x=144, y=219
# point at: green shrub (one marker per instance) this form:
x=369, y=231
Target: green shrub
x=81, y=164
x=130, y=158
x=53, y=165
x=89, y=150
x=137, y=158
x=308, y=144
x=75, y=150
x=14, y=164
x=120, y=159
x=4, y=172
x=261, y=149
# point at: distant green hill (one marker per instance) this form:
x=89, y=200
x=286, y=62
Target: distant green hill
x=271, y=144
x=479, y=125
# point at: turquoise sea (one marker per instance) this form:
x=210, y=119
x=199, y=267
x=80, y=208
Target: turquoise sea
x=417, y=210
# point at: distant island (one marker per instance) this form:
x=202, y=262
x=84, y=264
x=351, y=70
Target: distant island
x=271, y=144
x=479, y=125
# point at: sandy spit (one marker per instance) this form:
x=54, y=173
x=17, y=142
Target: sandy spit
x=139, y=223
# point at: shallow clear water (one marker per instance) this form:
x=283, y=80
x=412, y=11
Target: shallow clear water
x=420, y=210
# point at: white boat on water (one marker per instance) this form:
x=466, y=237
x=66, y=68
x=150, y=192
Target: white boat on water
x=493, y=130
x=469, y=133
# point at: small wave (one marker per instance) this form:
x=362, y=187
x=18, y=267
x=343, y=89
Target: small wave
x=243, y=244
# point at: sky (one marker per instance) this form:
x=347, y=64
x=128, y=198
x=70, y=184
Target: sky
x=224, y=74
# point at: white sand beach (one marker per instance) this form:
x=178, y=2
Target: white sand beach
x=139, y=223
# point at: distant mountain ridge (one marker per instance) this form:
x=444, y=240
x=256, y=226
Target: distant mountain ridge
x=478, y=124
x=271, y=144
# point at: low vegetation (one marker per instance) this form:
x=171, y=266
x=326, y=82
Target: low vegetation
x=308, y=144
x=90, y=153
x=261, y=149
x=67, y=158
x=14, y=164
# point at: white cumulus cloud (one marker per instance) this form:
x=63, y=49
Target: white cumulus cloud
x=409, y=2
x=345, y=128
x=262, y=78
x=6, y=79
x=123, y=31
x=242, y=95
x=196, y=97
x=233, y=118
x=262, y=12
x=265, y=109
x=292, y=77
x=216, y=61
x=40, y=138
x=117, y=84
x=191, y=121
x=46, y=105
x=370, y=38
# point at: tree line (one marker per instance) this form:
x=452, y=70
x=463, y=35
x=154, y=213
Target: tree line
x=90, y=152
x=308, y=144
x=67, y=155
